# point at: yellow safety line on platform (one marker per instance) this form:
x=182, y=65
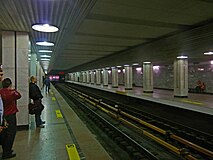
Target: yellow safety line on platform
x=121, y=92
x=58, y=114
x=53, y=98
x=72, y=152
x=187, y=101
x=146, y=94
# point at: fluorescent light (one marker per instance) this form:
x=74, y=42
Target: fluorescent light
x=45, y=56
x=29, y=59
x=208, y=53
x=45, y=51
x=126, y=65
x=45, y=43
x=211, y=62
x=119, y=66
x=182, y=57
x=45, y=28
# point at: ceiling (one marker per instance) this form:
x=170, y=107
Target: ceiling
x=92, y=29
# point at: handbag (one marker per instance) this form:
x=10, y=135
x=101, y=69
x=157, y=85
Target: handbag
x=35, y=107
x=32, y=107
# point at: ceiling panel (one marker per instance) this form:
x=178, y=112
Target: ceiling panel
x=105, y=41
x=93, y=29
x=123, y=29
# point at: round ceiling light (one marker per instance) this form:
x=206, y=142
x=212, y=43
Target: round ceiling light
x=182, y=57
x=44, y=28
x=208, y=53
x=45, y=51
x=45, y=59
x=45, y=43
x=45, y=56
x=146, y=62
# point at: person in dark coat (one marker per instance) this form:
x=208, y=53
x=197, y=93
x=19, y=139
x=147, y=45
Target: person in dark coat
x=36, y=96
x=9, y=97
x=47, y=84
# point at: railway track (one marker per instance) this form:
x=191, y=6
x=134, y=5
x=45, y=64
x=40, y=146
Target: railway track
x=134, y=149
x=144, y=124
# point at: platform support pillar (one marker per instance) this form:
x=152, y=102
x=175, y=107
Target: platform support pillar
x=92, y=77
x=147, y=77
x=33, y=64
x=128, y=77
x=88, y=76
x=84, y=77
x=114, y=77
x=77, y=76
x=98, y=76
x=74, y=77
x=71, y=76
x=15, y=47
x=181, y=78
x=105, y=77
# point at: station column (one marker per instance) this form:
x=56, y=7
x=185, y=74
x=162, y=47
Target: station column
x=98, y=76
x=181, y=78
x=128, y=77
x=105, y=77
x=147, y=77
x=15, y=46
x=114, y=77
x=88, y=77
x=92, y=77
x=33, y=64
x=72, y=76
x=80, y=77
x=84, y=77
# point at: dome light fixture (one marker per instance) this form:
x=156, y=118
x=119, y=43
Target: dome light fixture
x=45, y=59
x=208, y=53
x=45, y=43
x=135, y=64
x=45, y=56
x=44, y=28
x=182, y=57
x=45, y=51
x=146, y=62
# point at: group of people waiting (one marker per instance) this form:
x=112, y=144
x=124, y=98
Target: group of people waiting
x=8, y=110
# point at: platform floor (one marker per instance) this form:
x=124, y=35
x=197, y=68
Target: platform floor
x=49, y=143
x=197, y=102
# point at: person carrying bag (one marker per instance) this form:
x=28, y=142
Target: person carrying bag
x=36, y=107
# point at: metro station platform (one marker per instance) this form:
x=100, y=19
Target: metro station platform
x=196, y=102
x=49, y=143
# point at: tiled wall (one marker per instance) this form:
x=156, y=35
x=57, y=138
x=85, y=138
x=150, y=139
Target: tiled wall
x=163, y=78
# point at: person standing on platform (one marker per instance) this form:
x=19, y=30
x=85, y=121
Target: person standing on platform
x=9, y=98
x=36, y=96
x=47, y=84
x=1, y=103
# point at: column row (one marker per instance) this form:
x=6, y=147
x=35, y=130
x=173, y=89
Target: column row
x=99, y=76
